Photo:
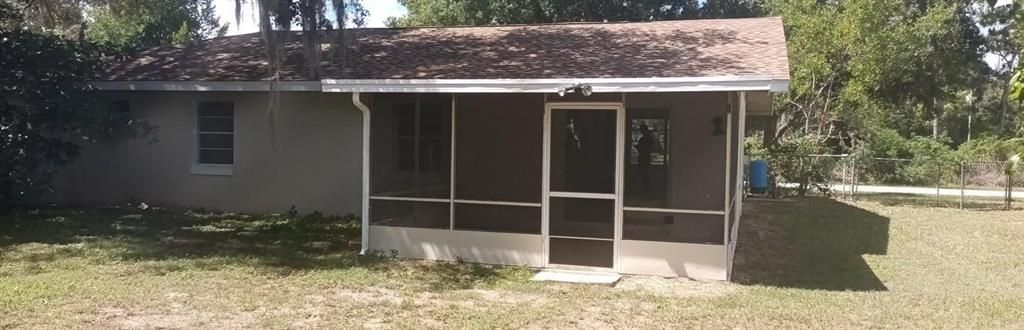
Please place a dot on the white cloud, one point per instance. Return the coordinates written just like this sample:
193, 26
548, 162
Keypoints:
379, 11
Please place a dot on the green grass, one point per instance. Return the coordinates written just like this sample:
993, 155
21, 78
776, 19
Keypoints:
809, 262
969, 202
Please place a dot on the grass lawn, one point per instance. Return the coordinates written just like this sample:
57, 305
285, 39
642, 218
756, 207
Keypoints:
809, 262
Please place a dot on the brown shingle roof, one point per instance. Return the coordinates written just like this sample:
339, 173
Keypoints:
690, 48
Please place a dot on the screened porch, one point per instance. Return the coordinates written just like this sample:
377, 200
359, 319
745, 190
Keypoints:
638, 183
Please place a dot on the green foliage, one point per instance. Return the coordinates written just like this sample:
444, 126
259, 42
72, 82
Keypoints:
47, 111
484, 12
131, 25
1017, 87
860, 64
59, 17
991, 148
788, 162
889, 158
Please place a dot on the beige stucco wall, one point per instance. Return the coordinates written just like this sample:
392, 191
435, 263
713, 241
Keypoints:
310, 159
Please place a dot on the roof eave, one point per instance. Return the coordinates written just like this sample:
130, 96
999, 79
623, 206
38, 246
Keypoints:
209, 86
599, 85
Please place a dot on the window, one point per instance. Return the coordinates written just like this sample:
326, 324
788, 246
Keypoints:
215, 133
649, 141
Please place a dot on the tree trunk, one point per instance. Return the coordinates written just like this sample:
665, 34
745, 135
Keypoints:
1004, 103
933, 109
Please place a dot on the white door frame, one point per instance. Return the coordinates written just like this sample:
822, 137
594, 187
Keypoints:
546, 194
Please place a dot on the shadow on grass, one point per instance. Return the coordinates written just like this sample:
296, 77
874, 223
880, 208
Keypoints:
809, 243
275, 244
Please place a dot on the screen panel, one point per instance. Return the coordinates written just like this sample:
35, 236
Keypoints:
580, 252
583, 150
498, 218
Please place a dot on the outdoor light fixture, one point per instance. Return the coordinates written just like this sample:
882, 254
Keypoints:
582, 88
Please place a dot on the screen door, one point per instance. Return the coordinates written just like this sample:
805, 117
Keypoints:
583, 156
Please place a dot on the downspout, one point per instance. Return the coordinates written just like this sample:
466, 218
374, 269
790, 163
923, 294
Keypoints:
364, 247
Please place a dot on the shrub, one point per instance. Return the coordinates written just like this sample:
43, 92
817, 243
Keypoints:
991, 149
789, 162
915, 161
47, 109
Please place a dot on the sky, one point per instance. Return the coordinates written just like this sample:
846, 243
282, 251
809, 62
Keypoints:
379, 11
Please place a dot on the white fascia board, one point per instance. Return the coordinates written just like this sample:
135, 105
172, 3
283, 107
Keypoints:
599, 85
208, 86
779, 86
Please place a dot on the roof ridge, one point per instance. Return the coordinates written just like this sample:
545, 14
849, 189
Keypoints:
565, 23
442, 27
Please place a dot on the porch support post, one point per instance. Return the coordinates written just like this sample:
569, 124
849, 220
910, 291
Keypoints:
365, 242
731, 233
451, 167
741, 137
728, 174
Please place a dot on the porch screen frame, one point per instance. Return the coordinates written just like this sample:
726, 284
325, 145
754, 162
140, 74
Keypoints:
616, 196
451, 199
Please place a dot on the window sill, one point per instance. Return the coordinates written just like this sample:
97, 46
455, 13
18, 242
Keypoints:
213, 169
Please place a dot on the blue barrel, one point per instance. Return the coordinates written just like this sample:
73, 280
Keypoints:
758, 177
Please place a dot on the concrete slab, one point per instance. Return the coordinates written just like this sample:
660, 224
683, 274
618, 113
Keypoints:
570, 276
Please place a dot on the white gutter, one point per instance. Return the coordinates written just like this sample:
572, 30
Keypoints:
366, 172
599, 85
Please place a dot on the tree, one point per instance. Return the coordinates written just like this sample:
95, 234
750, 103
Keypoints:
1004, 41
64, 18
131, 25
861, 65
123, 25
311, 17
47, 109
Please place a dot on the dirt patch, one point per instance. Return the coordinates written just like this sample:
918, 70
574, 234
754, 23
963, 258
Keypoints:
368, 296
509, 297
675, 287
126, 319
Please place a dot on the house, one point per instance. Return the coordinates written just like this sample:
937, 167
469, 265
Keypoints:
607, 146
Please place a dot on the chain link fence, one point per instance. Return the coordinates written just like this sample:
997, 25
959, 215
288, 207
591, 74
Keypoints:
966, 185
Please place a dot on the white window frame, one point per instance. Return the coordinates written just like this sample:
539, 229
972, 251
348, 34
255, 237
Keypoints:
211, 169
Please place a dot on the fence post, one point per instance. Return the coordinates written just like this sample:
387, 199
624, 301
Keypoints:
846, 167
1010, 191
1009, 188
938, 183
856, 177
963, 184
